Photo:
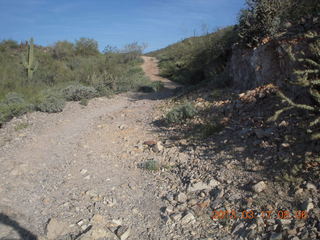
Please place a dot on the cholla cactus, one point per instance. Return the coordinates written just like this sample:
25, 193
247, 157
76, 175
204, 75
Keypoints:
307, 76
29, 62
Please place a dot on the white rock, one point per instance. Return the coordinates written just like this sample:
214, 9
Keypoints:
181, 197
213, 183
311, 186
259, 187
169, 209
307, 205
187, 218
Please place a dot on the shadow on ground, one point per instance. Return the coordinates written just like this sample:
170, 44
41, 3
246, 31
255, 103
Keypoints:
22, 232
246, 143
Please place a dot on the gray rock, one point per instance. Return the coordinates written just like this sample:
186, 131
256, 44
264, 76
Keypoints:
181, 197
259, 187
202, 186
176, 217
187, 218
169, 209
275, 236
158, 147
123, 232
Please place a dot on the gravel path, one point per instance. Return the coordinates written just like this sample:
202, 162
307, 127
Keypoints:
81, 163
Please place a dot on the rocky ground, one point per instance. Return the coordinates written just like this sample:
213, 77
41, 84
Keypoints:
115, 170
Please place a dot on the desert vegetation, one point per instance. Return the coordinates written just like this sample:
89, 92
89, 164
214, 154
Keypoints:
291, 27
34, 77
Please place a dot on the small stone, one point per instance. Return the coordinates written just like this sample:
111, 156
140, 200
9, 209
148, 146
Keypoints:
187, 218
285, 145
150, 143
176, 217
283, 124
259, 187
169, 197
181, 197
83, 171
192, 202
80, 223
307, 205
202, 186
121, 127
285, 222
169, 209
311, 187
275, 236
123, 232
158, 147
299, 191
56, 228
97, 233
116, 222
213, 183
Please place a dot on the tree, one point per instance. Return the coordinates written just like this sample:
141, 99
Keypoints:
63, 50
86, 47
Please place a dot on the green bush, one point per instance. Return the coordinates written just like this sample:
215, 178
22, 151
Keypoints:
152, 87
79, 92
8, 44
267, 18
13, 105
151, 165
51, 102
180, 113
195, 59
86, 47
63, 50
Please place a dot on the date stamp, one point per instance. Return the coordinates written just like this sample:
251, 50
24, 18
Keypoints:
253, 214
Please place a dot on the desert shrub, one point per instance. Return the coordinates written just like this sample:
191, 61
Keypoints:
151, 165
86, 47
103, 90
78, 92
155, 86
307, 76
267, 18
84, 102
13, 105
63, 50
8, 44
194, 59
50, 102
211, 128
180, 113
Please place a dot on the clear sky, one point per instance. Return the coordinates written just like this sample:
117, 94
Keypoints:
114, 22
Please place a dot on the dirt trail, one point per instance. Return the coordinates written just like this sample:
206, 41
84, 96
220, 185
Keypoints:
150, 67
80, 163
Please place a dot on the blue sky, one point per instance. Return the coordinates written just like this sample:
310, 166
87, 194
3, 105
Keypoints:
114, 22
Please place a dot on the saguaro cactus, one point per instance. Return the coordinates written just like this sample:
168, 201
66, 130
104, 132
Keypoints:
29, 62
